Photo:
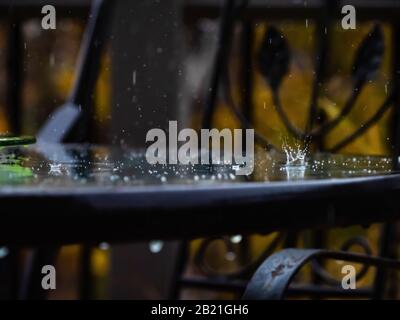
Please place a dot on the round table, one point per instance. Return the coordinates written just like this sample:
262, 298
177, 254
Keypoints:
61, 194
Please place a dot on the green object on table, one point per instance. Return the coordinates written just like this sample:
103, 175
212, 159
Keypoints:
14, 174
12, 170
7, 140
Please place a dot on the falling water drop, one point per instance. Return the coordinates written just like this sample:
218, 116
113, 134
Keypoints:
230, 256
3, 252
104, 246
236, 239
156, 246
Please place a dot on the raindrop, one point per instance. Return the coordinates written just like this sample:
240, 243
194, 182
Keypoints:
52, 60
3, 252
134, 77
156, 246
230, 256
104, 246
114, 178
236, 239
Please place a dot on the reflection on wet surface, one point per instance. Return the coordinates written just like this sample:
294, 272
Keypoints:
76, 166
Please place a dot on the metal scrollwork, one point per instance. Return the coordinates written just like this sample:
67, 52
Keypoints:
273, 61
244, 271
272, 279
326, 278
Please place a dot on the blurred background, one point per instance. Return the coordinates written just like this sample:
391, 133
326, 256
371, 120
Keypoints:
157, 68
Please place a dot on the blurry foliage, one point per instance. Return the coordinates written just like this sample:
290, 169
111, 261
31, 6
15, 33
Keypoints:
102, 116
100, 269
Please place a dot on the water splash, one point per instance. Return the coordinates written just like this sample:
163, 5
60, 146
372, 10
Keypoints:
55, 169
295, 166
296, 154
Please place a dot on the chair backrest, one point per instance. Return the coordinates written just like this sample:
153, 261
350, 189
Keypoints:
273, 61
61, 123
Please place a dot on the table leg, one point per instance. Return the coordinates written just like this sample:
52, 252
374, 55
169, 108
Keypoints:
86, 279
31, 284
9, 272
386, 250
179, 269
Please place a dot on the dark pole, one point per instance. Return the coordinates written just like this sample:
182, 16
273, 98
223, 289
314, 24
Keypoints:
322, 43
62, 122
14, 76
389, 230
247, 68
224, 44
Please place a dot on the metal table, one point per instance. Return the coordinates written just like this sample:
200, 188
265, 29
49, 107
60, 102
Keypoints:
54, 194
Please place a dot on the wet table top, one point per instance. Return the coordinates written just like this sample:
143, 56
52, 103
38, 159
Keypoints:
72, 193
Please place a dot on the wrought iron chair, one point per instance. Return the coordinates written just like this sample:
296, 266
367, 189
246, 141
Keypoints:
273, 61
272, 279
